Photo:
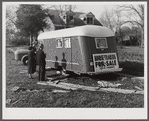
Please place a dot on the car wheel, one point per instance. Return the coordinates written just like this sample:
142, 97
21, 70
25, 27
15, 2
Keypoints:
25, 60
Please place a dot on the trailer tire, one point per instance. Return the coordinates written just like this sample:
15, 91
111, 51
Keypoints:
25, 60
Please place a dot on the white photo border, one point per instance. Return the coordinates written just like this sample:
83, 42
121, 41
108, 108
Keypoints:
72, 113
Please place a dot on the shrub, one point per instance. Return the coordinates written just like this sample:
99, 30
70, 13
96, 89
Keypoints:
18, 40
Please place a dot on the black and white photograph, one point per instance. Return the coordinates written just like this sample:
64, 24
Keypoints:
74, 60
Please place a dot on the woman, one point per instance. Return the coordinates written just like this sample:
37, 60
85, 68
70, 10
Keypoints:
31, 62
34, 57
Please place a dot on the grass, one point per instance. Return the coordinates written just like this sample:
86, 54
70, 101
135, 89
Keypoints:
79, 98
131, 60
133, 54
32, 95
132, 68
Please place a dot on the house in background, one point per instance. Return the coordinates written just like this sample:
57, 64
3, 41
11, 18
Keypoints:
60, 19
131, 40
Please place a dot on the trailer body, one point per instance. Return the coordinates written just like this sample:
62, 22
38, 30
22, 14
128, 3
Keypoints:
85, 49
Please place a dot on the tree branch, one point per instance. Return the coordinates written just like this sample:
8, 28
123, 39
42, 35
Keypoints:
134, 22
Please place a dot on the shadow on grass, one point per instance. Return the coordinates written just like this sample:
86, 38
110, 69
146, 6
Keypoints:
132, 68
106, 76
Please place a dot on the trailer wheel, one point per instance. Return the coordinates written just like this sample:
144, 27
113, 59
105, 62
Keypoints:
25, 60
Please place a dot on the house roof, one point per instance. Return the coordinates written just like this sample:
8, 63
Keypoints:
96, 22
86, 14
54, 16
86, 30
70, 13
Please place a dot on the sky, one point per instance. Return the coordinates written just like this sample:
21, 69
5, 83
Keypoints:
97, 8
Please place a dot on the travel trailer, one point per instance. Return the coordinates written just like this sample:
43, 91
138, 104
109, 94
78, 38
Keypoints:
88, 49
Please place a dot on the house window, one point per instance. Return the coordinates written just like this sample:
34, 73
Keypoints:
101, 43
89, 20
67, 43
71, 17
59, 43
64, 17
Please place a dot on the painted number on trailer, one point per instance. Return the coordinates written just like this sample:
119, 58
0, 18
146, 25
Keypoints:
67, 43
63, 42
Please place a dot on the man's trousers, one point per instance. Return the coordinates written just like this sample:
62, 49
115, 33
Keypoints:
41, 73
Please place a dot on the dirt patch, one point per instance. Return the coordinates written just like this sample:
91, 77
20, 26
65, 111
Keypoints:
69, 86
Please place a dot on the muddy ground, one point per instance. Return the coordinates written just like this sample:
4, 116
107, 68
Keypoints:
30, 94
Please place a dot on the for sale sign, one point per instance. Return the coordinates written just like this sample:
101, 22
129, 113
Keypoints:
105, 61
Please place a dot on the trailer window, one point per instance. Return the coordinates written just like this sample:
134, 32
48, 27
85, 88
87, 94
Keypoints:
67, 43
59, 43
101, 43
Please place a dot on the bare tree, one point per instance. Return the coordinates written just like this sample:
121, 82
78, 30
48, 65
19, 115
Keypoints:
107, 19
135, 16
122, 14
10, 16
10, 22
63, 8
113, 20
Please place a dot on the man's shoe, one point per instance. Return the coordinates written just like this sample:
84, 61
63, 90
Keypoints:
30, 77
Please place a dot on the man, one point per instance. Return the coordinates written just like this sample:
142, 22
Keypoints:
41, 63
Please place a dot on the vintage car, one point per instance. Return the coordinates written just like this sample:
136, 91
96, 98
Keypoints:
21, 54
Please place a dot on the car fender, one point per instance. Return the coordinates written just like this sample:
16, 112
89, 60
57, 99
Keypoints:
23, 57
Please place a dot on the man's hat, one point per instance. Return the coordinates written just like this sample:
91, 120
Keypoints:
30, 47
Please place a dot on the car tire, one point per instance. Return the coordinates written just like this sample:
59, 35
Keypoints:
25, 60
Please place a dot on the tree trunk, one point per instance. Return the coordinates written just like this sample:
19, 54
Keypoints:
31, 38
142, 38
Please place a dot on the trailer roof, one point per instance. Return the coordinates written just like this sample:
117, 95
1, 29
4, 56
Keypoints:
87, 30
